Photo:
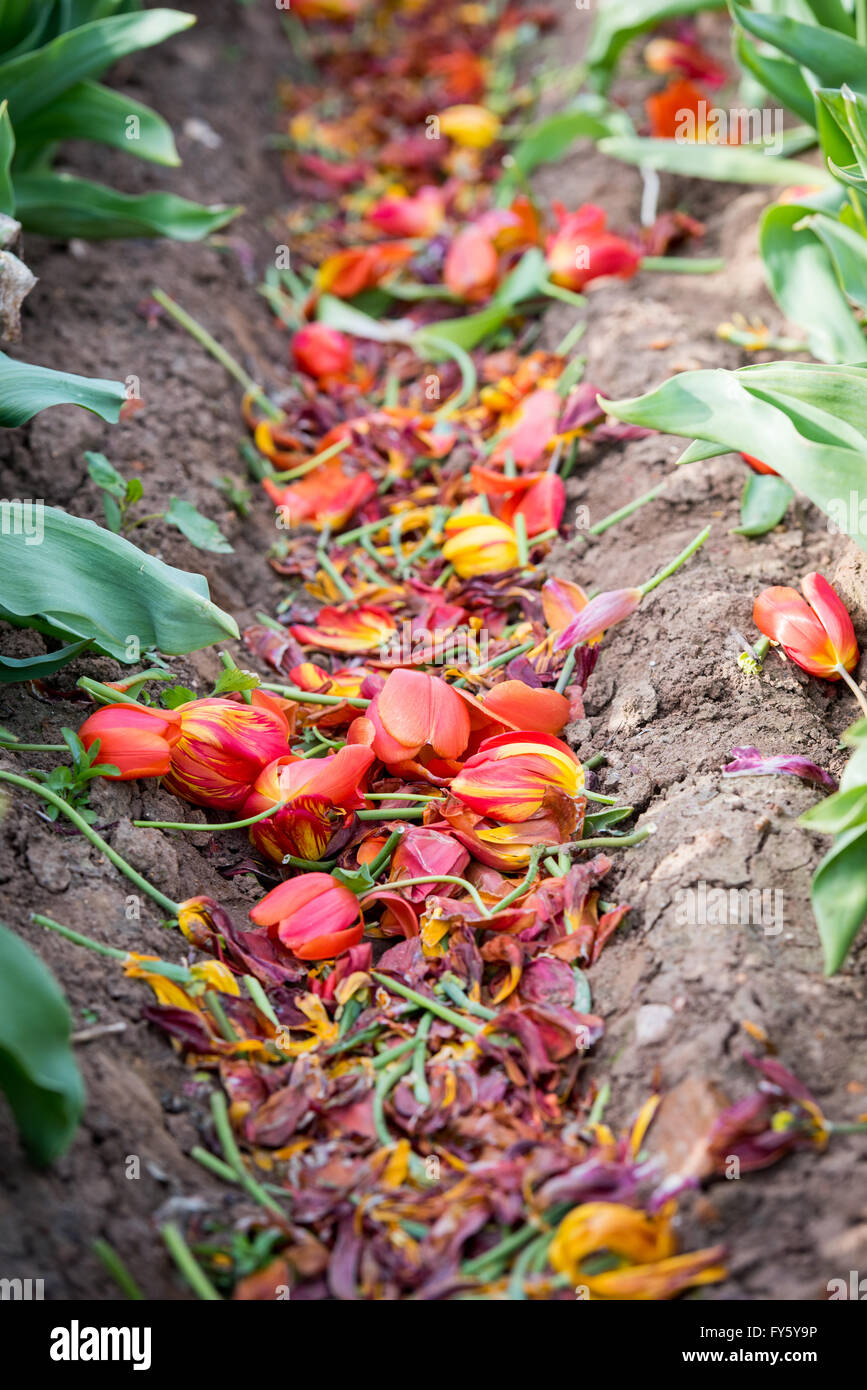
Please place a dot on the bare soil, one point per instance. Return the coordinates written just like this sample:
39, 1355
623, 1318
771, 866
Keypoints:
666, 703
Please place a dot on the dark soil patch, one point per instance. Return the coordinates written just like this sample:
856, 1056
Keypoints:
666, 703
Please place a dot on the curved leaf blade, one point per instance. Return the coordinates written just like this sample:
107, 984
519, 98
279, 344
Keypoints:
32, 668
34, 79
60, 205
724, 163
803, 281
89, 111
25, 389
834, 58
87, 582
839, 895
38, 1071
764, 503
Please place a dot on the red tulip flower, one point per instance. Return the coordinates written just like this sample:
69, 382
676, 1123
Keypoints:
417, 725
222, 748
526, 707
815, 631
582, 249
138, 741
421, 215
313, 916
541, 505
322, 352
509, 777
757, 466
316, 788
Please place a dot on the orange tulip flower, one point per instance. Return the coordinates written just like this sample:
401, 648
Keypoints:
541, 505
223, 746
526, 707
645, 1245
757, 466
347, 273
318, 787
136, 740
419, 725
313, 916
582, 249
509, 777
326, 496
322, 352
816, 632
687, 59
419, 215
362, 630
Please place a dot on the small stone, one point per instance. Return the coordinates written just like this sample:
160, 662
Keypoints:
652, 1023
48, 865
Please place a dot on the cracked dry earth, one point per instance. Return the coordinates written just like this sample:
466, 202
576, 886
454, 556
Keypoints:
666, 703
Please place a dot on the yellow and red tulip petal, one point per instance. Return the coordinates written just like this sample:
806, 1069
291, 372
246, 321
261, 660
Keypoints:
666, 110
562, 601
818, 635
604, 253
674, 55
338, 777
362, 630
474, 126
328, 495
222, 748
424, 851
526, 707
136, 740
509, 777
597, 616
479, 545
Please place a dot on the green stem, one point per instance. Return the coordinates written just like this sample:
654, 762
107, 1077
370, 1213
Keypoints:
289, 474
217, 351
676, 563
310, 697
116, 1268
317, 865
614, 841
81, 824
384, 1084
682, 265
260, 999
399, 813
378, 864
856, 690
334, 575
568, 667
521, 537
231, 665
432, 1006
211, 825
451, 987
216, 1008
77, 937
187, 1263
623, 512
420, 1088
437, 878
33, 747
563, 294
232, 1155
106, 694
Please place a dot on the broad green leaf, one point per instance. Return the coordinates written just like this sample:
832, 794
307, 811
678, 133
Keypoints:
549, 140
855, 771
618, 22
846, 112
804, 283
345, 317
200, 530
837, 813
834, 58
35, 668
22, 26
839, 895
90, 111
7, 150
33, 80
764, 503
773, 412
38, 1070
832, 14
26, 389
848, 251
725, 163
780, 77
86, 582
60, 205
104, 474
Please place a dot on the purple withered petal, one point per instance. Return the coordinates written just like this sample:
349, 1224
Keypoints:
749, 761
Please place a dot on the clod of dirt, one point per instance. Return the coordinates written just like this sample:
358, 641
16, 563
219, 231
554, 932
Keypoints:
652, 1023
